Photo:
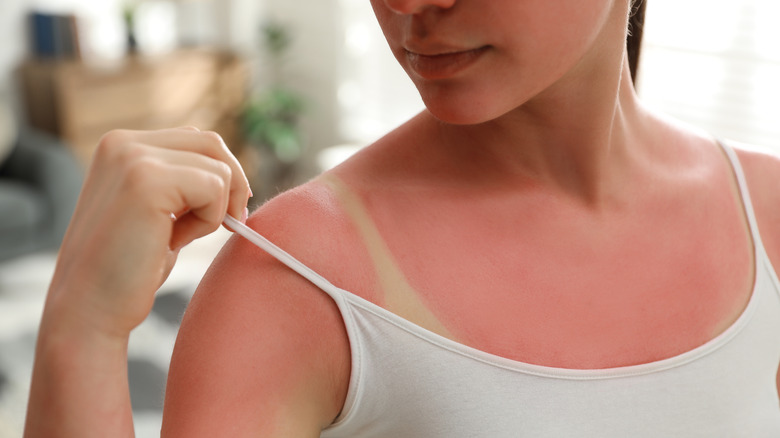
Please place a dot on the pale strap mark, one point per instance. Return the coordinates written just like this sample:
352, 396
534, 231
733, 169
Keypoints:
399, 296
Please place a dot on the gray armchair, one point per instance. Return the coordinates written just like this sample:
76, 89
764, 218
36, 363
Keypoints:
39, 185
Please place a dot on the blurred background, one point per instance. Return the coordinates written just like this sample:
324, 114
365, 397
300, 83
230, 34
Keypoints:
294, 87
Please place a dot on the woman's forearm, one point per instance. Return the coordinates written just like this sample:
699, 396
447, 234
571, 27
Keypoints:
79, 384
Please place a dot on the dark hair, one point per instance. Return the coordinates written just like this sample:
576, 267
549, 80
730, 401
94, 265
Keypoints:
636, 24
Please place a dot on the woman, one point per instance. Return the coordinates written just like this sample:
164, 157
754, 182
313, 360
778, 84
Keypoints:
535, 254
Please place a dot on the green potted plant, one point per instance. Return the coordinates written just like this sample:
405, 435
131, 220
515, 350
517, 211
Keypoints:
271, 116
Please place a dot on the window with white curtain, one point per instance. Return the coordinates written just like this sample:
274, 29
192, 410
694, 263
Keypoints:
716, 65
712, 63
374, 93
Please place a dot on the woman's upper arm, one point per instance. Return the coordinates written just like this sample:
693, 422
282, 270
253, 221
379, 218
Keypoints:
260, 352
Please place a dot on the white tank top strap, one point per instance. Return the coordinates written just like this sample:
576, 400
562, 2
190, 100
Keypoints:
747, 204
283, 257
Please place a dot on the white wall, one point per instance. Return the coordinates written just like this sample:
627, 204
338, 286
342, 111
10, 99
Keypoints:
313, 62
11, 31
375, 94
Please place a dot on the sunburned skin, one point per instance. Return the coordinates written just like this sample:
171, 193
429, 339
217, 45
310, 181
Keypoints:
397, 295
533, 277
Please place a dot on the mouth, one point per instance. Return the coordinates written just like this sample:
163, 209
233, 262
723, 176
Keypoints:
444, 64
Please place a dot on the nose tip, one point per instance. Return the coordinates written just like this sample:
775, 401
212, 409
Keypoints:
409, 7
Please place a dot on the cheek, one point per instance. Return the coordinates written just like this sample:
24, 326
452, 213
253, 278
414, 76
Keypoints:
545, 33
387, 21
536, 46
391, 26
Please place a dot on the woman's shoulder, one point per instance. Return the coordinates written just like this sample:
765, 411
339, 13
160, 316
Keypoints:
312, 224
309, 222
762, 173
257, 328
763, 161
761, 166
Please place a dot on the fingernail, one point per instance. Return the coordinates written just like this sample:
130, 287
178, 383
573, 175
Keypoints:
245, 215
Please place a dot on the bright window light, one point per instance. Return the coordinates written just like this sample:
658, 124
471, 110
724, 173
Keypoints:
716, 65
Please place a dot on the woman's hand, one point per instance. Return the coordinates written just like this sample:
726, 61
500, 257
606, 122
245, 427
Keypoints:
146, 195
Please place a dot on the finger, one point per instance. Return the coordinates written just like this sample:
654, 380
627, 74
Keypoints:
190, 139
202, 195
237, 203
210, 165
208, 143
237, 200
205, 142
174, 157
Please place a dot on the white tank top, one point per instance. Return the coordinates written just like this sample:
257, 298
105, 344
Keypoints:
409, 382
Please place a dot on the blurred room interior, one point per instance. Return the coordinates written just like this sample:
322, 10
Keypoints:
294, 87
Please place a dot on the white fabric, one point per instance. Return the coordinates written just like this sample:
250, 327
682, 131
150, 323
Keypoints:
409, 382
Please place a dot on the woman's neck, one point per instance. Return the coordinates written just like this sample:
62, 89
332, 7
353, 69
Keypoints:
581, 139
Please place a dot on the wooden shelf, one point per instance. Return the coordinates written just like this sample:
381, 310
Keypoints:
79, 102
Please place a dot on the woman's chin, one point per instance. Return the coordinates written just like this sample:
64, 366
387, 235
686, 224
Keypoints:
472, 114
454, 106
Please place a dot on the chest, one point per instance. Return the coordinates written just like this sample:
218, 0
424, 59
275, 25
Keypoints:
545, 284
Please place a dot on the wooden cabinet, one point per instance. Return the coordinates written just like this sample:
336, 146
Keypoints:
80, 102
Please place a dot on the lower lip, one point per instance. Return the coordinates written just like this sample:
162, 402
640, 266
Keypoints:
446, 65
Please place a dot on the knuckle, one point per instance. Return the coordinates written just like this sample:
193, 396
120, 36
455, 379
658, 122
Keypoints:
139, 173
112, 142
215, 182
215, 216
214, 140
223, 169
114, 136
129, 152
211, 222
